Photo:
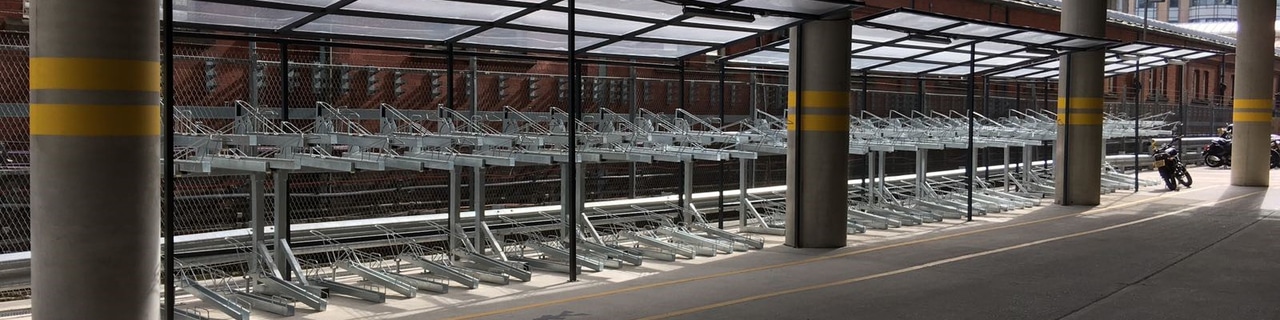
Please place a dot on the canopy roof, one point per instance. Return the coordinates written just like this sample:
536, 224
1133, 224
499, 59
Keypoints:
905, 41
1120, 59
630, 28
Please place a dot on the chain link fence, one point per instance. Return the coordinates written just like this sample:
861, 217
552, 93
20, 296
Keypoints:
213, 74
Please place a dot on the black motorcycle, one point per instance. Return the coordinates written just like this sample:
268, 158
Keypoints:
1217, 153
1168, 162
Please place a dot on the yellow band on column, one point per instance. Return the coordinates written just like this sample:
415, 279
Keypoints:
1252, 110
819, 122
1090, 111
94, 120
94, 74
820, 99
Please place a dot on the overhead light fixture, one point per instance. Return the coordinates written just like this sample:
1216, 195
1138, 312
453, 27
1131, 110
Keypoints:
1048, 52
1128, 57
930, 39
717, 14
1176, 62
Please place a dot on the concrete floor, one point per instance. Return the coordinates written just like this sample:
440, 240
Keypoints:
1207, 252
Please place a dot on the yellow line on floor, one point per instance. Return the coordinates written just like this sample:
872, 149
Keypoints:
806, 261
938, 262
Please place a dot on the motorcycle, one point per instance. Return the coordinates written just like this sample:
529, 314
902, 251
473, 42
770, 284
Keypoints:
1217, 153
1168, 162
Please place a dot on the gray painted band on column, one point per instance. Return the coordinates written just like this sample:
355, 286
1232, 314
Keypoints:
118, 29
817, 210
95, 224
1078, 182
122, 98
1255, 62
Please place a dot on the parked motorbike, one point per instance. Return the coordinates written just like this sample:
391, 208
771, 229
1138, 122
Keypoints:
1168, 162
1217, 153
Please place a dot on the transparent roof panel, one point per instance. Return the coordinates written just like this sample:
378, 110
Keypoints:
588, 23
766, 57
1018, 73
761, 23
860, 63
914, 21
950, 57
875, 35
996, 47
1147, 56
909, 67
961, 70
802, 6
1034, 37
385, 28
1129, 47
891, 52
529, 39
1003, 61
436, 9
312, 3
637, 8
650, 49
978, 30
695, 34
234, 15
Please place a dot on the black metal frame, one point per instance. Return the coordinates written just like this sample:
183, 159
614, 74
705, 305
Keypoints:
339, 8
1026, 47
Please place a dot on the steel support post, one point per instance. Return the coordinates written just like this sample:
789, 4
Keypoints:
632, 109
1254, 95
257, 219
742, 193
448, 77
575, 105
1137, 117
95, 128
473, 87
818, 134
720, 164
971, 167
254, 90
281, 183
455, 207
1080, 110
581, 183
686, 192
478, 204
170, 209
280, 194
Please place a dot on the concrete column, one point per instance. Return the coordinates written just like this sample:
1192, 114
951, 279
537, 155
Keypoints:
1077, 169
1254, 95
818, 135
95, 127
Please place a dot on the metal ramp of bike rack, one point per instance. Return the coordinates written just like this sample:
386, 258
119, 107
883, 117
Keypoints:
266, 290
354, 262
213, 287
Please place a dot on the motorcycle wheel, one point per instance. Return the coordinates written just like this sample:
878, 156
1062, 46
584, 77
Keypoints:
1184, 177
1213, 161
1171, 183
